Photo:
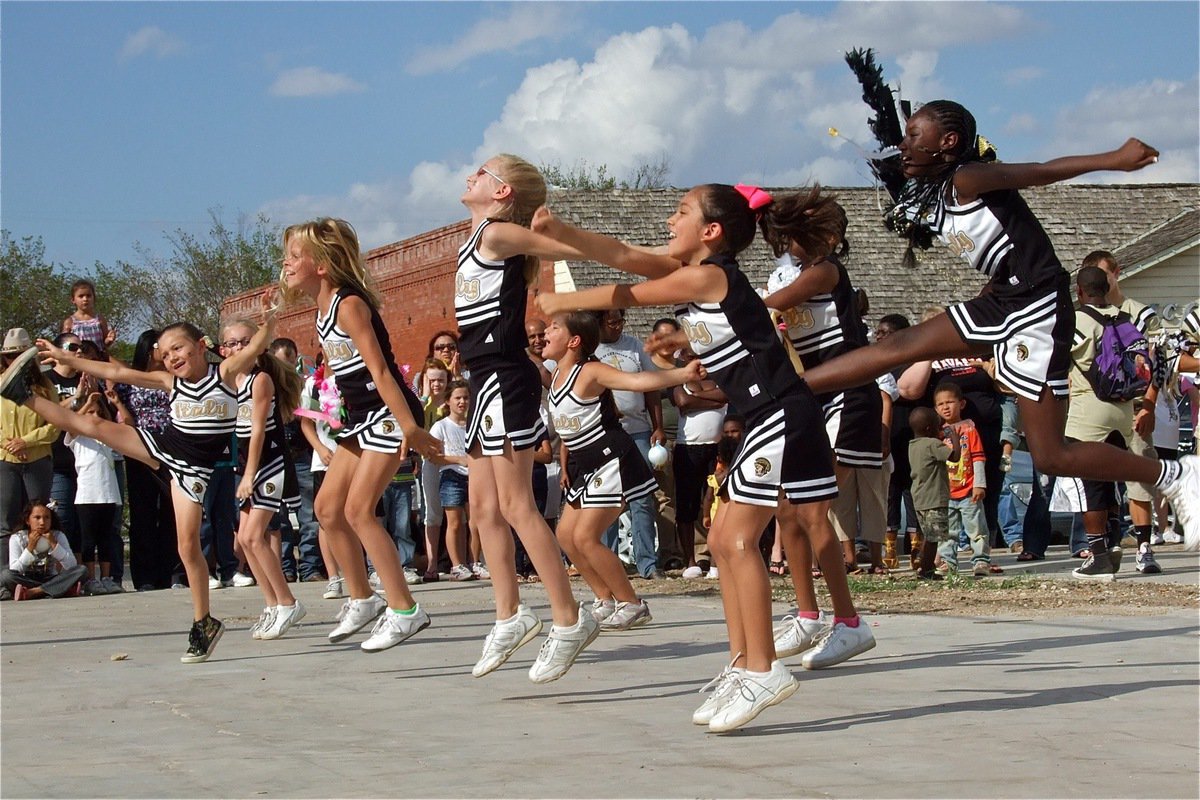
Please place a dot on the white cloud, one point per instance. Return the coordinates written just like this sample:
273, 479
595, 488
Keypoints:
523, 23
1020, 75
1165, 114
151, 40
313, 82
1021, 123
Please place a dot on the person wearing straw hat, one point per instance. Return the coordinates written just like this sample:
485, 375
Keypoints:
26, 469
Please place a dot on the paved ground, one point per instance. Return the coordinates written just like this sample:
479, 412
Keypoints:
943, 707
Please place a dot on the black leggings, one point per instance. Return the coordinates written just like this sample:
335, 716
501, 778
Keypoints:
96, 532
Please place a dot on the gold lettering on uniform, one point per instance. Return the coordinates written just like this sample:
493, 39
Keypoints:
696, 332
338, 351
245, 412
566, 423
960, 243
798, 318
466, 289
184, 409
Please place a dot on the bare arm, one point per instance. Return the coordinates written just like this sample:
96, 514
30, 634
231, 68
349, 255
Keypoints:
704, 283
820, 278
596, 377
915, 380
262, 392
975, 179
243, 360
108, 370
651, 262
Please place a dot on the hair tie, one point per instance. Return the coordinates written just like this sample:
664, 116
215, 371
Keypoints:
984, 150
756, 197
207, 342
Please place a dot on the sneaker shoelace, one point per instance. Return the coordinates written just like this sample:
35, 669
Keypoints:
341, 615
501, 637
197, 641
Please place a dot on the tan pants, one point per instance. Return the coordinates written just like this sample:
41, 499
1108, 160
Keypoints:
861, 504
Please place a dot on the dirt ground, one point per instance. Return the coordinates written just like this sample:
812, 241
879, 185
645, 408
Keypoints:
1014, 596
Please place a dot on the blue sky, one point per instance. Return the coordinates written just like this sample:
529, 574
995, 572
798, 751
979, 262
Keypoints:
123, 121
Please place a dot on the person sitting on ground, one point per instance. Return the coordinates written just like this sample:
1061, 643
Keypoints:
40, 561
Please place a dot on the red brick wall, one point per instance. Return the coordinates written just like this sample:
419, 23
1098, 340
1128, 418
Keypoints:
416, 279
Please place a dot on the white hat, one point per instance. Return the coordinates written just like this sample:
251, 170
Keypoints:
17, 340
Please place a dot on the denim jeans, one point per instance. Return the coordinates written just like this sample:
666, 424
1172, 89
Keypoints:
220, 522
1009, 512
966, 516
397, 518
641, 513
306, 543
62, 492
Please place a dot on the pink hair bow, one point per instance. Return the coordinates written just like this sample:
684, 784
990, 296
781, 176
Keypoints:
756, 197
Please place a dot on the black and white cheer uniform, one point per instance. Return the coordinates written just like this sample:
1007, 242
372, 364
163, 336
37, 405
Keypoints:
369, 422
275, 484
785, 445
599, 471
506, 390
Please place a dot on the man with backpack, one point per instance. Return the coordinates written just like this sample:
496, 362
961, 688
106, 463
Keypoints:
1110, 358
1140, 495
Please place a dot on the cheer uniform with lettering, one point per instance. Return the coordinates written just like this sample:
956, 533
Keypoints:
599, 472
369, 422
823, 327
506, 390
276, 487
1025, 310
785, 445
199, 433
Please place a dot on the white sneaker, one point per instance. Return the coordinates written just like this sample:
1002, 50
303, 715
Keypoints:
504, 639
480, 571
692, 573
720, 688
795, 634
602, 609
1145, 562
412, 577
92, 586
393, 628
839, 643
562, 647
1184, 495
241, 580
285, 617
1156, 539
335, 589
461, 572
110, 586
355, 615
1171, 537
264, 621
626, 616
713, 575
214, 582
753, 692
375, 581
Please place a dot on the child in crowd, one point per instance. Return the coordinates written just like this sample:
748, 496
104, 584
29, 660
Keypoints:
785, 452
85, 322
203, 416
957, 191
267, 488
451, 431
97, 499
702, 408
322, 261
603, 469
932, 446
40, 561
322, 437
435, 377
967, 484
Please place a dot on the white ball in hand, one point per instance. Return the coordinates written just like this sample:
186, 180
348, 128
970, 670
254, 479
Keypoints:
658, 455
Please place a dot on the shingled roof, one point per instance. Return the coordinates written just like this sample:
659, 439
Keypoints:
1078, 217
1159, 243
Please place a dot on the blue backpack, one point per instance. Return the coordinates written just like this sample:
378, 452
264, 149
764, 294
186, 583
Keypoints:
1123, 367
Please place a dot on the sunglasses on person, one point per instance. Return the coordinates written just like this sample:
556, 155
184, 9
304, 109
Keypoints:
72, 347
445, 346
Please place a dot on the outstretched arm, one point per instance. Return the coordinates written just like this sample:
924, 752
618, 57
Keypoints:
652, 262
597, 376
701, 283
974, 179
243, 360
109, 371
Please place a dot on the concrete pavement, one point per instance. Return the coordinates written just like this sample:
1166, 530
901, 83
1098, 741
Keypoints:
943, 707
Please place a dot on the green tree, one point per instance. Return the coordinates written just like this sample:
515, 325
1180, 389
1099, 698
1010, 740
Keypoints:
34, 293
595, 178
200, 272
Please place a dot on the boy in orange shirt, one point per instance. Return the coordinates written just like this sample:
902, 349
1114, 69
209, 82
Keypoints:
967, 484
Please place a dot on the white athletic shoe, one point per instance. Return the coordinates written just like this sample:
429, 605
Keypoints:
393, 628
241, 580
626, 616
720, 689
839, 643
412, 577
285, 617
602, 609
1184, 495
1171, 537
356, 615
335, 589
214, 582
1156, 539
264, 621
504, 639
692, 573
752, 693
795, 634
562, 647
